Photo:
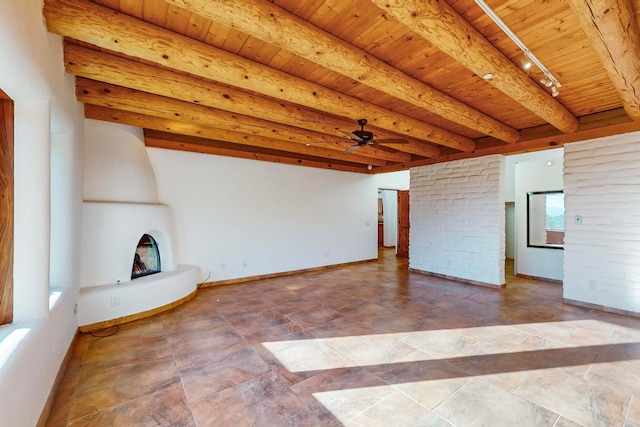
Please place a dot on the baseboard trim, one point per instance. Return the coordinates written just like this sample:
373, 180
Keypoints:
540, 279
46, 411
137, 316
281, 274
458, 279
603, 308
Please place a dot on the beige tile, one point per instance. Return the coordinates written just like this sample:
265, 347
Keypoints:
576, 399
309, 355
556, 331
397, 410
564, 422
479, 403
626, 334
440, 343
431, 393
621, 376
504, 337
586, 337
633, 415
376, 349
347, 404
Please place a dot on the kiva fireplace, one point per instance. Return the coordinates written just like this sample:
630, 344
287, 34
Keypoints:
127, 267
130, 268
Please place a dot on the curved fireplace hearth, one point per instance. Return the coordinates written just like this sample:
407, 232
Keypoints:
113, 286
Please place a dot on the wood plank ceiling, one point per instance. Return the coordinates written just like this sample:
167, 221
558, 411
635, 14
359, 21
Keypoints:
283, 80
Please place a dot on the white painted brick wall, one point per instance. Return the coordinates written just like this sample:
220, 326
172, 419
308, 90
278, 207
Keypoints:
602, 254
457, 219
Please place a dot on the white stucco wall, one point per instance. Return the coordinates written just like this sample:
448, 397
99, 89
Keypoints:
602, 189
457, 219
240, 218
47, 120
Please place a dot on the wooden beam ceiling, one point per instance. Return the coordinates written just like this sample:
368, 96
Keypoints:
287, 31
102, 27
111, 96
283, 81
196, 130
613, 30
115, 70
442, 26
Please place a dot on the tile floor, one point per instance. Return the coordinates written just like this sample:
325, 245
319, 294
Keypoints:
366, 345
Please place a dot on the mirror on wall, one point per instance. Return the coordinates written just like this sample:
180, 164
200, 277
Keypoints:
545, 219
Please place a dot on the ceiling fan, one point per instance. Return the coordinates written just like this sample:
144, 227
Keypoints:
363, 137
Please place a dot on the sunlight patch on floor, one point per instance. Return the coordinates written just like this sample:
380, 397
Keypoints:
380, 349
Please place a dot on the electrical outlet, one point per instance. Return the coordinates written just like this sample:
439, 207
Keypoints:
115, 301
592, 284
75, 309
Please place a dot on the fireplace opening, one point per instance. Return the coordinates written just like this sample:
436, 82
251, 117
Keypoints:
146, 261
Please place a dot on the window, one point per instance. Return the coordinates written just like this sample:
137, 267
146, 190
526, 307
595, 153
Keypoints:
545, 219
6, 209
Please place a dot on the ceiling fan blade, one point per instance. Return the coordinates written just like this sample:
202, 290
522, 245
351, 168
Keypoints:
391, 141
352, 149
353, 136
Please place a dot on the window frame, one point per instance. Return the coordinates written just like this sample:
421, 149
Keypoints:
529, 244
6, 207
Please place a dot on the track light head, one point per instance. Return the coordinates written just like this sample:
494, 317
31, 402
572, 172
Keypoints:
546, 82
526, 63
554, 91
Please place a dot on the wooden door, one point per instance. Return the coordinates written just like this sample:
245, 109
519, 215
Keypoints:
402, 250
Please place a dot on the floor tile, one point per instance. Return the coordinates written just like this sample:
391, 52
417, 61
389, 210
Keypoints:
479, 403
366, 344
575, 399
396, 410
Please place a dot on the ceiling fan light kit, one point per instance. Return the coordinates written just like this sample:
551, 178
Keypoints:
529, 58
362, 137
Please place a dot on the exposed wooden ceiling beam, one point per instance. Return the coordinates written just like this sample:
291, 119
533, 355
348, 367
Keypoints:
267, 22
441, 25
535, 144
105, 28
191, 129
614, 33
185, 143
107, 95
108, 68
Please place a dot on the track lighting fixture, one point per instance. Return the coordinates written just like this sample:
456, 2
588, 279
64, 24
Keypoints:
529, 58
546, 82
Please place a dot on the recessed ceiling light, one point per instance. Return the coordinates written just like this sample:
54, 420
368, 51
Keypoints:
488, 76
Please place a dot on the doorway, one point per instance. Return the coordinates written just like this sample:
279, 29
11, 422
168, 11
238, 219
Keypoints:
402, 247
387, 218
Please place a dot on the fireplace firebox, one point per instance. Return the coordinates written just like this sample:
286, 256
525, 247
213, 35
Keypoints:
146, 260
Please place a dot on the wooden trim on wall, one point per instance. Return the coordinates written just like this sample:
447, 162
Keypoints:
6, 209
